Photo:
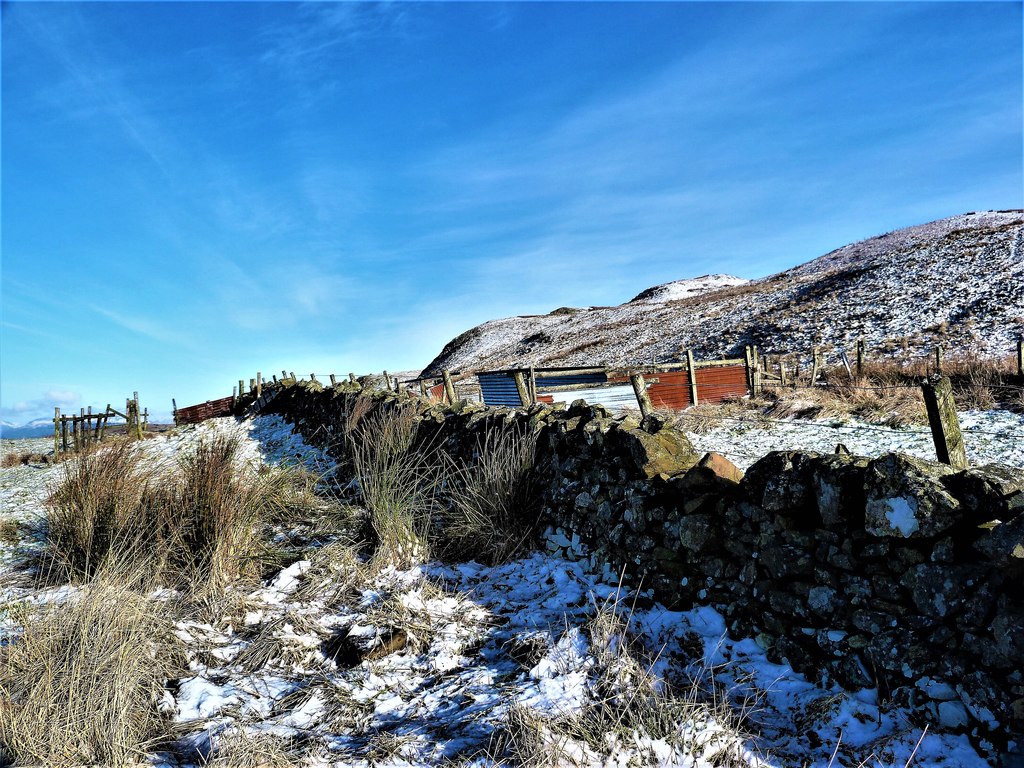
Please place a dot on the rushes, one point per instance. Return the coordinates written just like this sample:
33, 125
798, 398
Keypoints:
493, 501
398, 481
98, 507
80, 685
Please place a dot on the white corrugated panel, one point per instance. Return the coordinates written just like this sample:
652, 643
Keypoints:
616, 398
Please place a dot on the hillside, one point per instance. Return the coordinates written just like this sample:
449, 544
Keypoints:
957, 281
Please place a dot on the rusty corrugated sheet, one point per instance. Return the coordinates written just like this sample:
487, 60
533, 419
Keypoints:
211, 409
721, 383
670, 389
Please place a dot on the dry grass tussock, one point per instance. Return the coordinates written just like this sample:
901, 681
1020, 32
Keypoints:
24, 458
197, 523
632, 714
240, 749
80, 685
493, 502
398, 481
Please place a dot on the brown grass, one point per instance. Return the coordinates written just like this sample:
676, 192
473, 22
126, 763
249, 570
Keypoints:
80, 685
494, 500
398, 481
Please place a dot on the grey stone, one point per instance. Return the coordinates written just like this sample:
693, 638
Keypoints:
905, 498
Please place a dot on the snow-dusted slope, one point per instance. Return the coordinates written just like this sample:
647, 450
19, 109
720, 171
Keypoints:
958, 281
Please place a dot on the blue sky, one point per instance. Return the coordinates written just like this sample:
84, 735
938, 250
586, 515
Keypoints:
196, 191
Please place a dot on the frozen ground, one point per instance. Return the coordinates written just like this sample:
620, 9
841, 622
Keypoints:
477, 642
990, 436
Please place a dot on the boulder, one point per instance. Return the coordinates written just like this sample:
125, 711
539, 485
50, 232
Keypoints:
665, 452
906, 498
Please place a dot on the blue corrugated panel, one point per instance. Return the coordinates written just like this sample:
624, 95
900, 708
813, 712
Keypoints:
569, 379
499, 389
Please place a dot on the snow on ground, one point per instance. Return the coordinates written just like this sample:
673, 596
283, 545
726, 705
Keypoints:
477, 641
990, 436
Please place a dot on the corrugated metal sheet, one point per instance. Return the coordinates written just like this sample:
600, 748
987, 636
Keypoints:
615, 398
721, 383
499, 389
193, 414
566, 379
670, 389
714, 384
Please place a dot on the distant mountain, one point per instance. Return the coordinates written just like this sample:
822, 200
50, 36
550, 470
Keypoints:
958, 282
34, 428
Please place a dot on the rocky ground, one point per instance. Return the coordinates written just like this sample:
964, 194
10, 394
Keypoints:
451, 662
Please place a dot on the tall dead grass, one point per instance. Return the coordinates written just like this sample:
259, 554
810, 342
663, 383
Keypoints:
98, 507
493, 502
398, 481
80, 685
198, 523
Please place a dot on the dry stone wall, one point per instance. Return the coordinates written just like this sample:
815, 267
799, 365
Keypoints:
893, 573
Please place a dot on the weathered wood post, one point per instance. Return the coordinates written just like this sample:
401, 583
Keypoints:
691, 367
755, 374
938, 360
138, 417
640, 390
449, 386
533, 384
103, 429
1020, 357
782, 373
520, 382
860, 357
949, 440
56, 431
174, 406
814, 365
750, 366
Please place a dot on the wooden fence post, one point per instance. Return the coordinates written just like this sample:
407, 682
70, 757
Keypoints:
691, 367
782, 373
138, 417
520, 381
755, 374
814, 365
1020, 357
949, 440
56, 431
533, 384
860, 357
449, 386
750, 366
938, 360
640, 390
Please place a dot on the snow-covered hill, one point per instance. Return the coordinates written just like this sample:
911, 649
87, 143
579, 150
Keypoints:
957, 281
34, 428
